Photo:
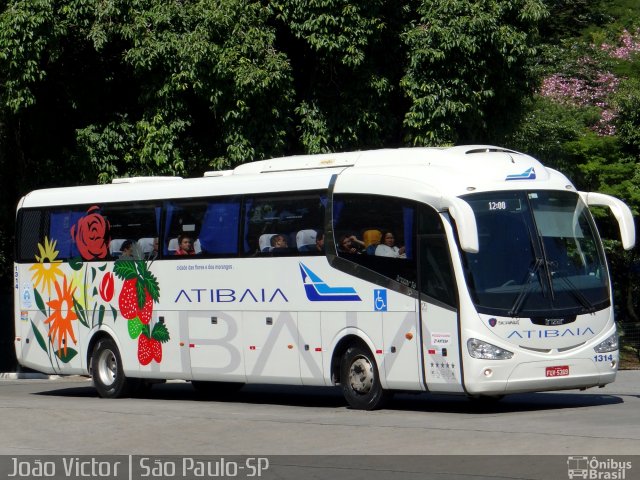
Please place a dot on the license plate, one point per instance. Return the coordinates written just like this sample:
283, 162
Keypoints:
561, 371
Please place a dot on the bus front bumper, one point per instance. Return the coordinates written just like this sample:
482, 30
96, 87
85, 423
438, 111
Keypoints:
561, 374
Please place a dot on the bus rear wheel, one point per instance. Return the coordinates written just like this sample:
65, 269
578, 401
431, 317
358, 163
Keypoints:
360, 380
107, 373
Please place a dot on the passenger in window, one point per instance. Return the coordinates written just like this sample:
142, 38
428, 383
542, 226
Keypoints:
154, 252
149, 248
126, 250
388, 247
279, 244
349, 243
320, 241
185, 245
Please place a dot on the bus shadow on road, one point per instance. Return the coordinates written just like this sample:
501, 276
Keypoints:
525, 402
322, 397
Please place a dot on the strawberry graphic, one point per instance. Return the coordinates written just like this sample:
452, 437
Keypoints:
145, 355
139, 290
156, 349
128, 299
147, 309
151, 348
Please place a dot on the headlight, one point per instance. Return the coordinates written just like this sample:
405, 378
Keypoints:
609, 345
479, 349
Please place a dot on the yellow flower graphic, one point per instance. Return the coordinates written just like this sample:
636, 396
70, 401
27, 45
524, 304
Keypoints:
63, 314
47, 267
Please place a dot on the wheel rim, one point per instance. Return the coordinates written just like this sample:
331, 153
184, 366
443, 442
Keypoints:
361, 376
107, 368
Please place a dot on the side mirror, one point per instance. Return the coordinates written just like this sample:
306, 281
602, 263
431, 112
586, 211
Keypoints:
465, 219
620, 211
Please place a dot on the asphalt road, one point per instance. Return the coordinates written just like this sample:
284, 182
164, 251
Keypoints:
66, 417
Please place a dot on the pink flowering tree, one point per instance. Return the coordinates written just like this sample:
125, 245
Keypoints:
589, 80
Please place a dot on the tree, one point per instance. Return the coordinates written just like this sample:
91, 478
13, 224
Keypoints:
466, 73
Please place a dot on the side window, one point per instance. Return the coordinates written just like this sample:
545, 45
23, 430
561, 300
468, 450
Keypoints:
134, 230
90, 232
29, 234
206, 227
436, 274
51, 233
377, 232
284, 224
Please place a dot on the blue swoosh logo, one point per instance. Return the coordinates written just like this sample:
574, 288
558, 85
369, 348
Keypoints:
317, 289
529, 174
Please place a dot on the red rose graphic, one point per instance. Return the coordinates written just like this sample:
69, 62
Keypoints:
106, 287
91, 235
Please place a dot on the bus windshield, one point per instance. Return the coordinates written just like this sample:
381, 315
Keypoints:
539, 255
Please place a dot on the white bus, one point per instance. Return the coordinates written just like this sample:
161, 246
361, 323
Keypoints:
471, 270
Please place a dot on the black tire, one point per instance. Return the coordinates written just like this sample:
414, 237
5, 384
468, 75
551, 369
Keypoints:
215, 389
107, 373
360, 380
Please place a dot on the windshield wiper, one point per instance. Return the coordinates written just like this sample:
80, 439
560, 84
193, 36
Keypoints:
575, 291
524, 291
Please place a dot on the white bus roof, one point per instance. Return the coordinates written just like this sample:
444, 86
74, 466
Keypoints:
403, 172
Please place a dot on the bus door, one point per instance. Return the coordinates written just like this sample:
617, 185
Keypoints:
440, 348
438, 307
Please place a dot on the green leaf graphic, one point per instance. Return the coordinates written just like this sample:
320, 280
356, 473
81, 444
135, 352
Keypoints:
125, 269
135, 327
39, 302
160, 333
115, 313
101, 315
93, 274
76, 263
39, 338
82, 316
66, 358
153, 287
149, 281
103, 267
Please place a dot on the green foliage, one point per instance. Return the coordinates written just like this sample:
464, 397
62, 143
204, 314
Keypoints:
346, 87
628, 105
26, 33
338, 30
466, 62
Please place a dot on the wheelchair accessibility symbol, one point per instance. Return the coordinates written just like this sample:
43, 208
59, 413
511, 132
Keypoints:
380, 300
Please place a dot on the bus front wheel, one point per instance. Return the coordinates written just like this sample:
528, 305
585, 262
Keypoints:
360, 380
107, 373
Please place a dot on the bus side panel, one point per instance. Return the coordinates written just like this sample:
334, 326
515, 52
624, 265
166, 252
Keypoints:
271, 347
215, 346
20, 317
37, 315
402, 353
311, 348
